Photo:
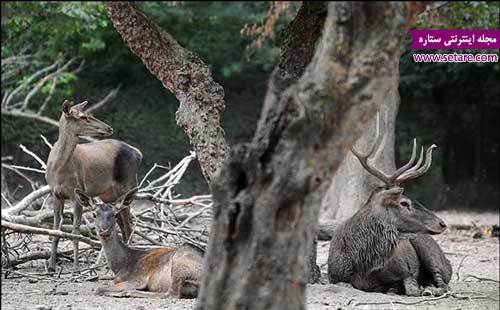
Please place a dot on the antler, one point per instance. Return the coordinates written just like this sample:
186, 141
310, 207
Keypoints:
403, 174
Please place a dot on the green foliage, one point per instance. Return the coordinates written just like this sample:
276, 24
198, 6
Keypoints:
461, 15
49, 27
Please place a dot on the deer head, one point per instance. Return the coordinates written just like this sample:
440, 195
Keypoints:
76, 122
105, 213
407, 214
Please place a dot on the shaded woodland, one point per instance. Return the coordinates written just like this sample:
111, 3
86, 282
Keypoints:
243, 118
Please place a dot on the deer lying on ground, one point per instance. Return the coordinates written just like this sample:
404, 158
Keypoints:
386, 246
105, 168
156, 272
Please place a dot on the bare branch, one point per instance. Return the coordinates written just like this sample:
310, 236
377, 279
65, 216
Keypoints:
111, 95
9, 167
48, 232
31, 115
25, 202
34, 256
49, 97
35, 75
46, 141
41, 162
42, 81
23, 168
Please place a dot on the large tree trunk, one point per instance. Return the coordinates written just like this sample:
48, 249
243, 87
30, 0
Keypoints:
267, 195
352, 184
297, 49
185, 75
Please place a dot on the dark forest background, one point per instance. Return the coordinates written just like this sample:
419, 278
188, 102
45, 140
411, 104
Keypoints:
455, 106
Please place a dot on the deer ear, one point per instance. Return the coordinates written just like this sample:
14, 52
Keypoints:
82, 198
395, 190
80, 106
129, 196
66, 106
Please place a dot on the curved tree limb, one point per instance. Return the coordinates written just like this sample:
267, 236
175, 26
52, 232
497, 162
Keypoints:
185, 75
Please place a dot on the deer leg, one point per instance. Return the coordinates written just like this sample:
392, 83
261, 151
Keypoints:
411, 287
58, 209
136, 294
115, 289
175, 289
77, 221
124, 223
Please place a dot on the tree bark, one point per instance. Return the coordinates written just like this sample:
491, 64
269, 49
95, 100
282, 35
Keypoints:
299, 40
352, 184
267, 194
185, 75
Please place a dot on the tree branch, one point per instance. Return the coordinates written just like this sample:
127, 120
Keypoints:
185, 75
49, 232
25, 202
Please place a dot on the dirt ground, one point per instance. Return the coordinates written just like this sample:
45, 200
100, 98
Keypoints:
472, 258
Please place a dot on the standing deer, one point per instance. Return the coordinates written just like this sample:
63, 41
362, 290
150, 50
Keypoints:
105, 168
386, 246
156, 272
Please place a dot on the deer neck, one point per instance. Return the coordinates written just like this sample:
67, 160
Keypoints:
62, 150
117, 252
372, 237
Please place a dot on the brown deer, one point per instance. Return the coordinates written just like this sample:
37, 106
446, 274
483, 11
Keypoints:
155, 272
386, 246
105, 168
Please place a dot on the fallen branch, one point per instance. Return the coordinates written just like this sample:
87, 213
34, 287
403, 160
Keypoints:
447, 294
481, 278
196, 200
49, 232
34, 256
25, 202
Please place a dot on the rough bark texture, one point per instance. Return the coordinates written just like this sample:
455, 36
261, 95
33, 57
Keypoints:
185, 75
267, 195
352, 184
299, 40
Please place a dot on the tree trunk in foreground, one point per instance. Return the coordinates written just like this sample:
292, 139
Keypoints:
185, 75
297, 50
267, 194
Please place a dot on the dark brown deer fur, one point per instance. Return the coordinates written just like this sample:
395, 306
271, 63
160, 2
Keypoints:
386, 246
371, 252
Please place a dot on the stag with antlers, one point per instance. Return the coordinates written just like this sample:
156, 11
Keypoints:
386, 246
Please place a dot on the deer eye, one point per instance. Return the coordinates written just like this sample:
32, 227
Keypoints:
405, 204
